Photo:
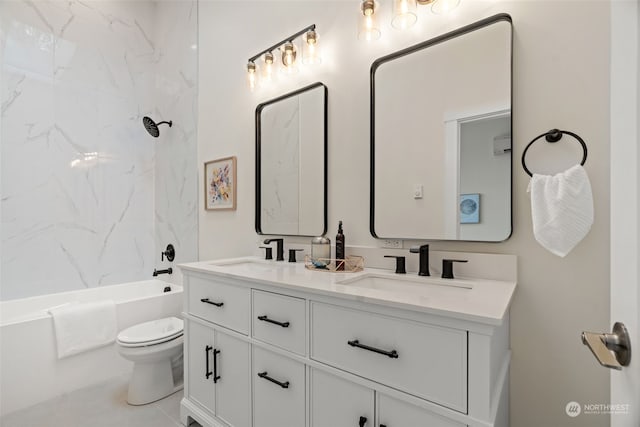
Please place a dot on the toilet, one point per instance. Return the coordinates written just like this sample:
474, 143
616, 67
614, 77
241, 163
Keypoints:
155, 348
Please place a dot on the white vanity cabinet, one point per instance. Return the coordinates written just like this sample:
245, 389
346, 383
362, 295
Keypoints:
295, 349
337, 402
279, 390
424, 360
397, 413
216, 371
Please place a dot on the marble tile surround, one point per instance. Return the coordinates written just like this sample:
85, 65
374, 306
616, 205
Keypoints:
87, 197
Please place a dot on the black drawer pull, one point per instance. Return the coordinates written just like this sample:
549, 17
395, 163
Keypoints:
268, 378
392, 354
382, 425
217, 304
275, 322
207, 372
216, 377
362, 421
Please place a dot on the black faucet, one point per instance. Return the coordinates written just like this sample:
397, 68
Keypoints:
292, 254
279, 248
400, 263
424, 259
447, 267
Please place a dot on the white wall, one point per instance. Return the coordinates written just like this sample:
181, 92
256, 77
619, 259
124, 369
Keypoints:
561, 52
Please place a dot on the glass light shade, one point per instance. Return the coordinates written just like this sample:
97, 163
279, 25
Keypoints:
251, 75
267, 68
404, 14
442, 7
368, 28
289, 58
310, 52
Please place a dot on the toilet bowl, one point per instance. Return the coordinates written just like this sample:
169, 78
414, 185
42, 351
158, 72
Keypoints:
155, 348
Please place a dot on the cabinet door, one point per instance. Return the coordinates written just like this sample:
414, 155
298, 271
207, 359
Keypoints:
336, 402
233, 398
200, 376
396, 413
279, 390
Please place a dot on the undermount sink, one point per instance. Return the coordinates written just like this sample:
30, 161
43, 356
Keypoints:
417, 285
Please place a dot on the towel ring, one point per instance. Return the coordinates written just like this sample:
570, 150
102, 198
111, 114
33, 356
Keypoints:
554, 135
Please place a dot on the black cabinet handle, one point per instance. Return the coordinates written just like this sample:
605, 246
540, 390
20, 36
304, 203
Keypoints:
216, 377
392, 354
207, 372
268, 378
217, 304
383, 425
275, 322
362, 421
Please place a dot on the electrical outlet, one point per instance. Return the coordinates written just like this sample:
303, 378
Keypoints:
392, 244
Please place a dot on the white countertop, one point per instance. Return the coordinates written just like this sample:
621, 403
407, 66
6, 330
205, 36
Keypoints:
487, 301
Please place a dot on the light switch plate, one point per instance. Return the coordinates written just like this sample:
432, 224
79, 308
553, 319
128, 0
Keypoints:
417, 191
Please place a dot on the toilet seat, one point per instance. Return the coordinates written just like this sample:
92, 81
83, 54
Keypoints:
151, 333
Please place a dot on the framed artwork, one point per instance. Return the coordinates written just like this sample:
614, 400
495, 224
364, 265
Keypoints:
220, 184
469, 208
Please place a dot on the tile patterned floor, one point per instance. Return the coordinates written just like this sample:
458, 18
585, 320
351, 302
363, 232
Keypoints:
102, 405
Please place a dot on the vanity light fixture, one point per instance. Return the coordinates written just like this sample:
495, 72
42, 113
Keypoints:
251, 74
288, 56
404, 14
310, 54
267, 67
368, 28
442, 7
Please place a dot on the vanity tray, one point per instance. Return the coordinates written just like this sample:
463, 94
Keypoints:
350, 264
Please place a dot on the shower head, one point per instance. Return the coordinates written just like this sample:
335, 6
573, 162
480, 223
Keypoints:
152, 127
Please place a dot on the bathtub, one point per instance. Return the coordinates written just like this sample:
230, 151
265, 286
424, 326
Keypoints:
30, 371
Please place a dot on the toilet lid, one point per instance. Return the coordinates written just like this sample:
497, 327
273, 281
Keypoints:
154, 331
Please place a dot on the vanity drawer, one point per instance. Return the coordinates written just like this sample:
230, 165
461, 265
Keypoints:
279, 390
280, 320
424, 360
220, 303
396, 413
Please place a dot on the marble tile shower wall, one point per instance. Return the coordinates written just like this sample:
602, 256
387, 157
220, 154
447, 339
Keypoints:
88, 198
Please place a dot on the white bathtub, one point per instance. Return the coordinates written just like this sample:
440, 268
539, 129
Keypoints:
30, 371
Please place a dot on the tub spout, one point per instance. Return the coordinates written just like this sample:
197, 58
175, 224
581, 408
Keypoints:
167, 271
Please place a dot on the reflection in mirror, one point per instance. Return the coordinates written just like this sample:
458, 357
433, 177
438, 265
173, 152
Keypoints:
441, 137
291, 163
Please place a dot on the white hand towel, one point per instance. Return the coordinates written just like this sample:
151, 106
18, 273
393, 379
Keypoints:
561, 209
84, 326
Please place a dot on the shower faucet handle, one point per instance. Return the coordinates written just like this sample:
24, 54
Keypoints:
170, 253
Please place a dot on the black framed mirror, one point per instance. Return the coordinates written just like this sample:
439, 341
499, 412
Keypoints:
441, 163
291, 163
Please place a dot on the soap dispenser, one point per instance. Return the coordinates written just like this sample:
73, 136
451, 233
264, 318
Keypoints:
340, 255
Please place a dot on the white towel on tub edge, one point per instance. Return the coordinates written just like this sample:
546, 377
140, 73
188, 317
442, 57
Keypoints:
81, 327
